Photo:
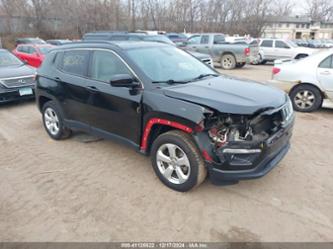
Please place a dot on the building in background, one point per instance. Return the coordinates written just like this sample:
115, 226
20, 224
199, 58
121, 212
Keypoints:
298, 27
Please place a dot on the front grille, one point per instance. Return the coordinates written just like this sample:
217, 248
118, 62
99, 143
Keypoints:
18, 82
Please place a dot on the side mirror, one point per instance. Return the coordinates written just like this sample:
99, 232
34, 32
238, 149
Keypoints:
124, 80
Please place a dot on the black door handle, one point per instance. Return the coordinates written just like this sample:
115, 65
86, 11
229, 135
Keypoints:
92, 89
57, 79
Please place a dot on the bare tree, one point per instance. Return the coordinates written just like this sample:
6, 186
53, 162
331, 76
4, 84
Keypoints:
320, 10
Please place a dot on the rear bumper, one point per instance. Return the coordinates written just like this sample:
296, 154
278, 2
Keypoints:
13, 94
273, 150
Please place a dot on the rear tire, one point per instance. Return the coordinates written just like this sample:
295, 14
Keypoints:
306, 98
53, 121
177, 161
228, 62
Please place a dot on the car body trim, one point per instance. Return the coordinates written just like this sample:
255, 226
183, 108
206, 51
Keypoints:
154, 121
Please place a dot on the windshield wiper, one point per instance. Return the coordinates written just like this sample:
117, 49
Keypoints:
201, 76
171, 82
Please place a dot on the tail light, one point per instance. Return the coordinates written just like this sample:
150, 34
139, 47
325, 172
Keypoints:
247, 52
276, 70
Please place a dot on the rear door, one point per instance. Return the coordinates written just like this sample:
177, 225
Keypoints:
267, 47
33, 57
113, 110
73, 72
203, 47
325, 75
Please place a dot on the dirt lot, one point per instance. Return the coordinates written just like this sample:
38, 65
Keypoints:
85, 189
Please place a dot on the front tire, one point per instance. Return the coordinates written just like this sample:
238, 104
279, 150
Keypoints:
228, 62
53, 121
240, 65
306, 98
177, 161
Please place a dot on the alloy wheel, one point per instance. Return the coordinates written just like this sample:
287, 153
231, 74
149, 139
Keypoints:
51, 121
227, 62
173, 164
304, 99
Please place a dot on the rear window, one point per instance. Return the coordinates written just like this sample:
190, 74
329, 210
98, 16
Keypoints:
75, 62
219, 39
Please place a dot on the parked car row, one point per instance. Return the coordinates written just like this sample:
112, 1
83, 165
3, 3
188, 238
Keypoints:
323, 43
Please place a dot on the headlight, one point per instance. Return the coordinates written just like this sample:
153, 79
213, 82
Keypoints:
287, 111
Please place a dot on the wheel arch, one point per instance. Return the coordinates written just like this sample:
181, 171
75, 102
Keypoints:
301, 55
228, 53
156, 125
308, 84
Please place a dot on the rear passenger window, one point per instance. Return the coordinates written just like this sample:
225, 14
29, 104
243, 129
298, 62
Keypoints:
105, 65
204, 39
75, 62
267, 44
327, 63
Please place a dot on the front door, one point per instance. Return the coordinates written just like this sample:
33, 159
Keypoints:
193, 43
113, 110
325, 75
282, 50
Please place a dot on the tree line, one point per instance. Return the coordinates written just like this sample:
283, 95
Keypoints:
75, 17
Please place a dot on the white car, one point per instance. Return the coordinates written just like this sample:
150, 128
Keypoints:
274, 49
309, 81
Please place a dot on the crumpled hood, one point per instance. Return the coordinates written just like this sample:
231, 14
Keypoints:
16, 71
229, 95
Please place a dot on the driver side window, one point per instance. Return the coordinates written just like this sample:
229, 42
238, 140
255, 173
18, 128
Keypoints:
105, 65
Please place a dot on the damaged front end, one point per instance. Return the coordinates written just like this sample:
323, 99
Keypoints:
238, 147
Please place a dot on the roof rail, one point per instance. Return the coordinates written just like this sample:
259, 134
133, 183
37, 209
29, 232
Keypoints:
93, 42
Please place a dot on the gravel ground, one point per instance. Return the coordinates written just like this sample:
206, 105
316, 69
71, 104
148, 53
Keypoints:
86, 189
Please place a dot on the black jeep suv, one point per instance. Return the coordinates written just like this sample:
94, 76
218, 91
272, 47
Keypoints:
167, 104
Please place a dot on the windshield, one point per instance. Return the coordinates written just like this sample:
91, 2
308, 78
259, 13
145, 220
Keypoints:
8, 59
167, 63
44, 50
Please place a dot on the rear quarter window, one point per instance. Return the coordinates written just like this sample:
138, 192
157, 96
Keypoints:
75, 62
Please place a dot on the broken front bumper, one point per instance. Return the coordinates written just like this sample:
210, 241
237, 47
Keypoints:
252, 160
